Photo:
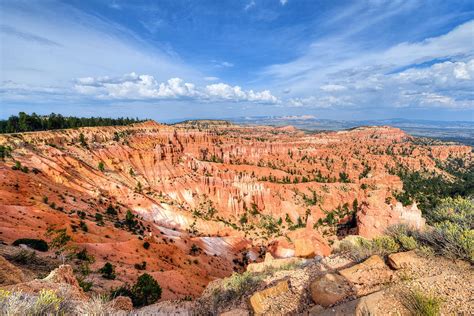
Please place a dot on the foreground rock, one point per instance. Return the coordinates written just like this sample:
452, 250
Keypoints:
329, 289
364, 276
366, 305
260, 300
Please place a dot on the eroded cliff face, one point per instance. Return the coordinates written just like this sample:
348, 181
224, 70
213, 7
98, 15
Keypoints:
207, 197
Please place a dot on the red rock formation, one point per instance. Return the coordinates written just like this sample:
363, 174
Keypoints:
228, 190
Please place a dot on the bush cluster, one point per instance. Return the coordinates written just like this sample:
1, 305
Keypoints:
144, 292
37, 244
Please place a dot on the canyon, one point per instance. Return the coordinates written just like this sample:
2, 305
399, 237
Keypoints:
199, 200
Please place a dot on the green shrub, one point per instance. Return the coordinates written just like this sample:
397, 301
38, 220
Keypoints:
146, 245
421, 304
449, 240
85, 285
407, 242
47, 303
101, 166
108, 271
234, 287
37, 244
457, 210
359, 249
384, 245
146, 291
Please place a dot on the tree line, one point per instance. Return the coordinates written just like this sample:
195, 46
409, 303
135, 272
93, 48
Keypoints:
24, 122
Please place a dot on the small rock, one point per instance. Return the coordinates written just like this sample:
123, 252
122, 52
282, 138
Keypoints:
259, 299
329, 289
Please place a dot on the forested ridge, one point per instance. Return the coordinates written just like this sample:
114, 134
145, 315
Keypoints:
24, 122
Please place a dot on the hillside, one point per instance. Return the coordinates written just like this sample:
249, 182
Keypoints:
197, 201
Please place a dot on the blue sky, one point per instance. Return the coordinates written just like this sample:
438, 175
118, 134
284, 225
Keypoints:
211, 59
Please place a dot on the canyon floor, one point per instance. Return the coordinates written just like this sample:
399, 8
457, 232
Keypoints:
193, 202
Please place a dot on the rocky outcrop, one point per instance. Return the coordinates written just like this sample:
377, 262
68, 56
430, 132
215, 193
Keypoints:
225, 188
10, 274
60, 280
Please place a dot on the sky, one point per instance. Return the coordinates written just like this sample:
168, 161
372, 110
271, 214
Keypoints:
180, 59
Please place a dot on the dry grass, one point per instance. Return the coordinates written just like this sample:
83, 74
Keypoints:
422, 304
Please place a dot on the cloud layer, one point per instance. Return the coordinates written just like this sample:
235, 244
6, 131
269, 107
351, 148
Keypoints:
144, 87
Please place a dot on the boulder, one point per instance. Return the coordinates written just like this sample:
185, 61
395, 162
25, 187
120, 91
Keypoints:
329, 289
304, 248
259, 300
369, 273
10, 274
403, 259
121, 303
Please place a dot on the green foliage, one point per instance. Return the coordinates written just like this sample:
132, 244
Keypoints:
60, 238
407, 242
82, 140
359, 248
37, 244
83, 226
26, 123
85, 256
101, 166
140, 266
108, 271
111, 210
234, 287
5, 152
344, 177
429, 189
451, 234
146, 291
457, 210
420, 303
85, 285
47, 302
146, 245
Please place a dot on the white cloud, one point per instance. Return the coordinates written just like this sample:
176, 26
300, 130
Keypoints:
145, 87
409, 74
283, 2
332, 87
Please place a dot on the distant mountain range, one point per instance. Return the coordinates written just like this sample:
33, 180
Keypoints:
458, 131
